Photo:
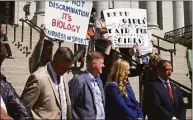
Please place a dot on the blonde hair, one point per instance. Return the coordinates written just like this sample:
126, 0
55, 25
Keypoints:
155, 57
94, 55
118, 75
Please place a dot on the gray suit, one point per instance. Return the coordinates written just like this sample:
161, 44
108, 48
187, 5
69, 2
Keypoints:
82, 97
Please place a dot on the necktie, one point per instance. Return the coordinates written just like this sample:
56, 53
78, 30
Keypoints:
62, 99
169, 90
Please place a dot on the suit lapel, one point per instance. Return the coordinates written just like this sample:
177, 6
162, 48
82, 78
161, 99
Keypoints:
50, 77
131, 93
89, 86
165, 91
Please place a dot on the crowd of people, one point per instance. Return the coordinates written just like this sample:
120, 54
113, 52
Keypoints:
102, 91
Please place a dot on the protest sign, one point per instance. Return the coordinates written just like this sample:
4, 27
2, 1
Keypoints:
127, 27
68, 20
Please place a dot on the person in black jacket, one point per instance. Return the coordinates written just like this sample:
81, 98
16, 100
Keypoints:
15, 108
149, 74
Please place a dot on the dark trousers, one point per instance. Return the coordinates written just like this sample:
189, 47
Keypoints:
7, 47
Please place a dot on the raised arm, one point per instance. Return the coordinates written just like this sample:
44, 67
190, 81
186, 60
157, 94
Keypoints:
37, 52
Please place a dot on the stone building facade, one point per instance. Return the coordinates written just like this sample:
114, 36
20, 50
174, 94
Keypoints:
162, 15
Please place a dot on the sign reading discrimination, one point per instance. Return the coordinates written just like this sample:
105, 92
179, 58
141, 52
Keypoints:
68, 21
127, 27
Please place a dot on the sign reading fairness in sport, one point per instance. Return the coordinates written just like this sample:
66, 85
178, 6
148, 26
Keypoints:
127, 27
67, 21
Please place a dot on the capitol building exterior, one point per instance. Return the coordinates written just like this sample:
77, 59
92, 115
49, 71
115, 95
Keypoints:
161, 15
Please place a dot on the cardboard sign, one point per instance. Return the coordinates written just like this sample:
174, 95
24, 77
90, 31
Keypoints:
127, 27
68, 21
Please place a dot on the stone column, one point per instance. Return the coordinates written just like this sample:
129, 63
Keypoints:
167, 11
122, 4
40, 13
178, 14
100, 6
188, 12
134, 4
152, 14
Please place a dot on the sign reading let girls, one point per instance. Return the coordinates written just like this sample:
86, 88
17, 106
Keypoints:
68, 20
127, 27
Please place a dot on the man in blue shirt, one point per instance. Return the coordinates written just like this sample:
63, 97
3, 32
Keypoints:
86, 90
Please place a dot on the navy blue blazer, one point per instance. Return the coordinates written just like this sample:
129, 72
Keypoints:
119, 107
82, 97
162, 106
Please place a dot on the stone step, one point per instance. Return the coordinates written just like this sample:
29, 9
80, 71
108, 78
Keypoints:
9, 68
21, 79
16, 73
16, 62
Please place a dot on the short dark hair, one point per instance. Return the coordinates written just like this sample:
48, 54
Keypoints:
161, 63
63, 54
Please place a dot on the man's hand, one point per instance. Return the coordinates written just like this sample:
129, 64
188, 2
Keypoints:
87, 37
138, 49
109, 41
174, 118
42, 33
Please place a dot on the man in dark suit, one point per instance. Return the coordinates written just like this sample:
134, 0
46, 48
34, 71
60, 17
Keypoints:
165, 97
86, 90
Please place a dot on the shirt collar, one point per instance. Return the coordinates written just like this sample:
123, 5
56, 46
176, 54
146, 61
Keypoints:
91, 76
163, 81
51, 69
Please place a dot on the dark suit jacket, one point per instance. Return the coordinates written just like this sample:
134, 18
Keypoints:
162, 106
82, 97
119, 107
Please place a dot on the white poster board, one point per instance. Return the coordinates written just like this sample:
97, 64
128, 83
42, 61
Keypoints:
127, 27
67, 21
